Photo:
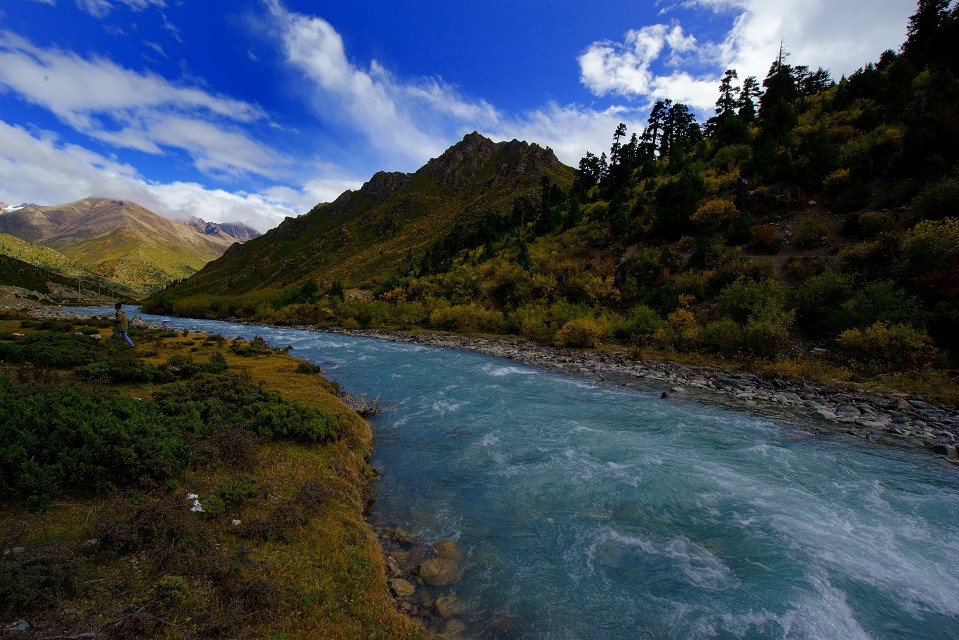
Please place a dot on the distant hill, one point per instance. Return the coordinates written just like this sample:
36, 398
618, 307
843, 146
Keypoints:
390, 223
39, 256
122, 240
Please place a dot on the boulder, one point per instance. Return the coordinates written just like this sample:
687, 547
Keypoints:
437, 571
447, 549
453, 628
401, 588
448, 606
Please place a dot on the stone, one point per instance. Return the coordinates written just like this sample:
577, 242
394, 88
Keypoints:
448, 606
393, 567
453, 628
437, 571
447, 549
401, 588
847, 411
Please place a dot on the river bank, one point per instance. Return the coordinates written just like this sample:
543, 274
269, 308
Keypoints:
896, 419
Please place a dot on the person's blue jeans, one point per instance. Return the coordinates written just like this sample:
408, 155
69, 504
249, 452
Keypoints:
123, 334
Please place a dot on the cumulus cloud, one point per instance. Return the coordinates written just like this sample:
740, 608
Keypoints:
38, 167
624, 68
816, 33
135, 110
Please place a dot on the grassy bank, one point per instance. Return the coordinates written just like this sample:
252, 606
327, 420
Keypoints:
99, 535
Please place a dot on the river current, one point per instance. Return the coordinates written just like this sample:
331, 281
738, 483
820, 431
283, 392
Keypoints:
586, 510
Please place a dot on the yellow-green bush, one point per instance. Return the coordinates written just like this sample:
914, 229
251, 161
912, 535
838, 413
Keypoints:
467, 318
682, 331
724, 336
881, 348
767, 332
583, 333
837, 179
715, 213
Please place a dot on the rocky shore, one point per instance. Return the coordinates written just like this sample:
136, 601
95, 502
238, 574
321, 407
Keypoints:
887, 418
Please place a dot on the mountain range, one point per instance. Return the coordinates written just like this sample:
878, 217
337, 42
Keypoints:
121, 240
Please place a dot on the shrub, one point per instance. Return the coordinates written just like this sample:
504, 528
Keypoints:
753, 269
63, 438
880, 302
255, 347
929, 247
59, 351
36, 577
715, 214
767, 332
691, 283
869, 223
836, 180
810, 231
467, 318
802, 269
765, 239
880, 348
583, 333
937, 201
724, 336
820, 297
641, 324
681, 332
743, 298
308, 368
208, 403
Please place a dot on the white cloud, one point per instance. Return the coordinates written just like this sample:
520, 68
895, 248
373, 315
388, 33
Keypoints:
102, 8
406, 122
624, 68
838, 36
37, 167
570, 130
135, 110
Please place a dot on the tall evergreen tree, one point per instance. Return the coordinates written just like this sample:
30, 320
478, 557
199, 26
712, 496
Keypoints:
748, 95
924, 35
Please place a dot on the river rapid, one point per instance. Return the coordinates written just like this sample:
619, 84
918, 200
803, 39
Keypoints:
586, 510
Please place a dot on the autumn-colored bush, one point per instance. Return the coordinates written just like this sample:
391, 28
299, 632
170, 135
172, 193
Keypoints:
467, 318
682, 331
765, 239
715, 214
583, 333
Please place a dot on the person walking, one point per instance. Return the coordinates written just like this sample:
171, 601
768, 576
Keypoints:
121, 324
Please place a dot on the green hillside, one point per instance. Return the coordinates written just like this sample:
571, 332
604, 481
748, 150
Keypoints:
38, 256
386, 226
807, 213
120, 240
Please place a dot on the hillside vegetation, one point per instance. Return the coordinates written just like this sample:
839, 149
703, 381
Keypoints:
172, 491
809, 222
117, 240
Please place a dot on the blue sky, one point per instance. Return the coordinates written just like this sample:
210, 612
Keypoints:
252, 110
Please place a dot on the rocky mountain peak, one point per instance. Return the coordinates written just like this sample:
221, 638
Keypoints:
461, 164
383, 182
